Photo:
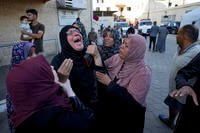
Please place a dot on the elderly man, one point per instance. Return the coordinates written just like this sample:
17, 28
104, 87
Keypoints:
189, 118
188, 48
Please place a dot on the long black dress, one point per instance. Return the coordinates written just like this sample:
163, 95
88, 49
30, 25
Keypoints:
82, 77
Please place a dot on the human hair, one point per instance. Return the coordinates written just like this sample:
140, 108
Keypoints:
191, 32
23, 17
114, 34
105, 32
33, 11
78, 19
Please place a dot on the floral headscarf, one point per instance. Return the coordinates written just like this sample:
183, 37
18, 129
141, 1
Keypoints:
20, 52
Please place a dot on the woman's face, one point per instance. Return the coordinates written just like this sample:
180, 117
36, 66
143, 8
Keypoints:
108, 39
75, 39
123, 51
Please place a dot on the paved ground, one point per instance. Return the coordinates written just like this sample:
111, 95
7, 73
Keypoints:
160, 64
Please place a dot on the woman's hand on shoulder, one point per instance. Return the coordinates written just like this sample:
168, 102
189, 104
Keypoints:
103, 78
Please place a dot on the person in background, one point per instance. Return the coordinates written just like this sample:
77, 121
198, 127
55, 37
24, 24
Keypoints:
119, 32
101, 29
162, 35
37, 28
24, 25
153, 35
136, 23
125, 86
92, 36
130, 30
110, 44
189, 117
187, 49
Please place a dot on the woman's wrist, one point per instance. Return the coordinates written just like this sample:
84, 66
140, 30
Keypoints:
67, 88
97, 60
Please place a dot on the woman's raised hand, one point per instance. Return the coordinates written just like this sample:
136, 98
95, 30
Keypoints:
64, 70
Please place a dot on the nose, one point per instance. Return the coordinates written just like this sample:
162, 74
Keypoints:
77, 34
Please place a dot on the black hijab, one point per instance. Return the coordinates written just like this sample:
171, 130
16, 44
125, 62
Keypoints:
82, 77
66, 50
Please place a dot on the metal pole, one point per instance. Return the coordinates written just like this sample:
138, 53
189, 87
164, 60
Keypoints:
183, 2
148, 10
91, 13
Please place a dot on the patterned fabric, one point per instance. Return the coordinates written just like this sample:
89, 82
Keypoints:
117, 38
10, 111
107, 52
20, 52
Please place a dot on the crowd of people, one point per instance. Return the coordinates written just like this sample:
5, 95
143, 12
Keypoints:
90, 88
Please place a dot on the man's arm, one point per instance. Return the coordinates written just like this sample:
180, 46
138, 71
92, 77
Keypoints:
34, 35
184, 87
37, 35
190, 71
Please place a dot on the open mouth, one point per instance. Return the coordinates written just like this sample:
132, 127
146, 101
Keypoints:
77, 40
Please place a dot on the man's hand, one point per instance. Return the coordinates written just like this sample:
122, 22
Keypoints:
64, 70
103, 78
185, 90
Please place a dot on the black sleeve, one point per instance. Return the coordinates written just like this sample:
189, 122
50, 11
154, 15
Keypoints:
77, 104
188, 72
101, 69
56, 62
120, 93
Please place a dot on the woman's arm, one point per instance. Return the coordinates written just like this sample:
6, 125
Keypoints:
115, 90
93, 50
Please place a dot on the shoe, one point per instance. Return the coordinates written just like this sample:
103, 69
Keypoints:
166, 121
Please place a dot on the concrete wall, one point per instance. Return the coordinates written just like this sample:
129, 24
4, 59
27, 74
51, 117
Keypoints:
85, 16
177, 11
11, 10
